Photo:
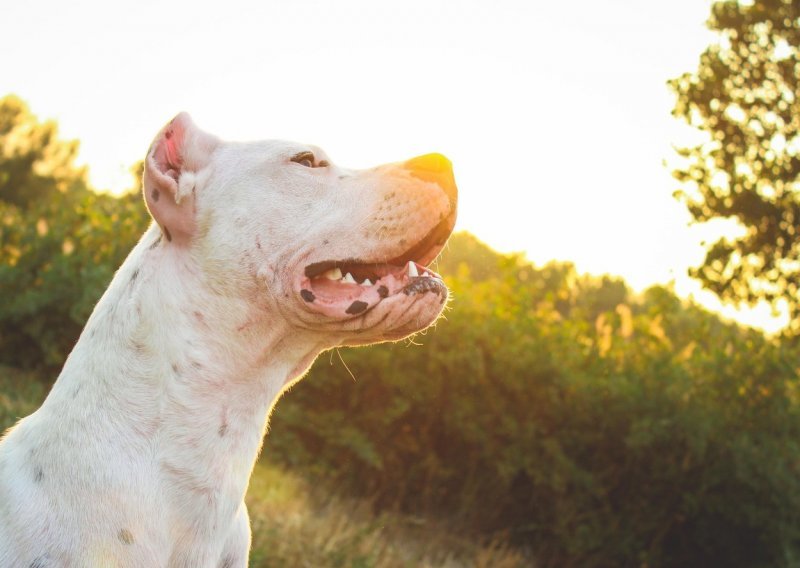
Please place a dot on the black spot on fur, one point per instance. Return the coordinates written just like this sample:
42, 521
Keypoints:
125, 536
167, 234
307, 295
38, 475
155, 194
356, 307
223, 429
383, 291
155, 243
42, 561
134, 276
174, 368
226, 562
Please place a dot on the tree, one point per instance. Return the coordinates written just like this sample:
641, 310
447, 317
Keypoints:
60, 242
603, 428
745, 96
34, 163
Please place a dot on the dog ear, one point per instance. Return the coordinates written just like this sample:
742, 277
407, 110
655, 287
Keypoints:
178, 152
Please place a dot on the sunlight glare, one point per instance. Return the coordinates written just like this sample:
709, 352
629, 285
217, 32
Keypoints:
556, 116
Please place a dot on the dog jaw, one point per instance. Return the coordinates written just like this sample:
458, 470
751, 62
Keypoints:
382, 289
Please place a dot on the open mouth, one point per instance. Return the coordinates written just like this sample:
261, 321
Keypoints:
352, 286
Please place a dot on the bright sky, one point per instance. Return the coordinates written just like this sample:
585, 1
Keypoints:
556, 115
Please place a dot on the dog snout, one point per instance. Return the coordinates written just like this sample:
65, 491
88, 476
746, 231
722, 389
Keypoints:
437, 169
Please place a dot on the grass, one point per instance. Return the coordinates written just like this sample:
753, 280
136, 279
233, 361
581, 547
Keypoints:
298, 525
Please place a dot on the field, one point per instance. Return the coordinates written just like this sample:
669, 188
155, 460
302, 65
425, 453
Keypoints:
295, 525
300, 525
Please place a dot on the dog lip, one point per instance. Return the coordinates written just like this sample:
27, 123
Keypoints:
428, 247
422, 253
316, 268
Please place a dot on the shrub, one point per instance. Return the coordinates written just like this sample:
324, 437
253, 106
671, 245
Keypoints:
596, 428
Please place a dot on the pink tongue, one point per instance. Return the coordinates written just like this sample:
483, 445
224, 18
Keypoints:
335, 289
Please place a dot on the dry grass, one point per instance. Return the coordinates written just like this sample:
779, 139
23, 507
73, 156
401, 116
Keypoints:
296, 525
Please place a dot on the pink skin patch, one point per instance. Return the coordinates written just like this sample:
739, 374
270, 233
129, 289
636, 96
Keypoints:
167, 154
177, 147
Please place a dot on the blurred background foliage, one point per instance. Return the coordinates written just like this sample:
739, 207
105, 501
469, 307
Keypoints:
593, 426
744, 97
556, 412
60, 242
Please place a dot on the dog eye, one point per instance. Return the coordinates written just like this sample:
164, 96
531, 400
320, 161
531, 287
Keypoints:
304, 159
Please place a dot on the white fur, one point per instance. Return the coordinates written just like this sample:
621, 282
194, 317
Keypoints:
141, 454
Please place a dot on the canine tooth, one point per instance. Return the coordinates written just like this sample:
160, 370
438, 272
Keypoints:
412, 269
333, 274
366, 282
349, 278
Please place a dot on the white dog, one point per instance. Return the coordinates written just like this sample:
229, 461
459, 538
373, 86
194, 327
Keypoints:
261, 256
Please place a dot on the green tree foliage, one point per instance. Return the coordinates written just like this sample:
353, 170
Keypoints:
34, 164
744, 95
60, 242
596, 428
560, 411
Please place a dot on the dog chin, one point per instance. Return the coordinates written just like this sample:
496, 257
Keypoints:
394, 319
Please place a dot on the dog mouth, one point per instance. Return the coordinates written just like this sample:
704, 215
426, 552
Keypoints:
353, 286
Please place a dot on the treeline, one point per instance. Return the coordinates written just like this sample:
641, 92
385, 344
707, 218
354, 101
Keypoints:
60, 241
592, 426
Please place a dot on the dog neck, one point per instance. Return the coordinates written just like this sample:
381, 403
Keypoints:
182, 376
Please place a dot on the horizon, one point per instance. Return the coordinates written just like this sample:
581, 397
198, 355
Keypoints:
556, 118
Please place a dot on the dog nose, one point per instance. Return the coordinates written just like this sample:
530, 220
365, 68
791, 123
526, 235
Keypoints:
434, 168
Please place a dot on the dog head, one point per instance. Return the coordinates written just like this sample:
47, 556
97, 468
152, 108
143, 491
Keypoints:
326, 248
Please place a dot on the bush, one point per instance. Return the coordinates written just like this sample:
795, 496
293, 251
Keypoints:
21, 393
60, 242
56, 260
595, 428
591, 426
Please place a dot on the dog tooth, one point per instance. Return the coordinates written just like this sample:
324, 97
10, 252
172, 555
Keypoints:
366, 282
412, 269
333, 274
349, 279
